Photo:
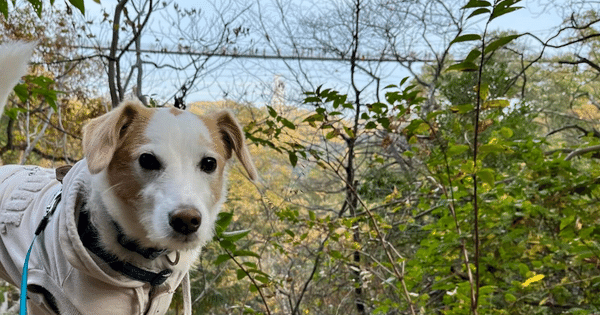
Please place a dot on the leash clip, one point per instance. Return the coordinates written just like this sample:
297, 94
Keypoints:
50, 209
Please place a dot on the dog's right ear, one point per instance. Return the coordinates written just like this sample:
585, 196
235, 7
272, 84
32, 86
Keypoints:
103, 135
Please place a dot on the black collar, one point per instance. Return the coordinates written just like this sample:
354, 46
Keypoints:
134, 246
91, 240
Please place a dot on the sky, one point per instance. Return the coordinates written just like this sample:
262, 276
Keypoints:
250, 80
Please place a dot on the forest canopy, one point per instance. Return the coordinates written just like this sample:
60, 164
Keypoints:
469, 185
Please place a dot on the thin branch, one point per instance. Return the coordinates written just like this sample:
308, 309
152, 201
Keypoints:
584, 131
113, 62
296, 309
580, 61
251, 279
582, 151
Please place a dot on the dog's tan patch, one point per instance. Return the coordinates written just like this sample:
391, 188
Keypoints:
121, 175
176, 111
228, 137
219, 147
124, 127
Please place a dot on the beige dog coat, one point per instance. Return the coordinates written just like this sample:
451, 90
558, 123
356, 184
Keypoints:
60, 265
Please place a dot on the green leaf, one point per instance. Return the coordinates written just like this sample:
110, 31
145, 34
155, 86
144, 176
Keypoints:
262, 279
221, 259
463, 66
79, 4
290, 233
466, 38
506, 132
235, 236
293, 158
52, 102
288, 123
487, 176
313, 118
14, 112
493, 46
223, 221
384, 122
457, 149
403, 80
37, 7
477, 4
228, 245
241, 274
491, 148
272, 112
503, 8
462, 109
22, 92
432, 115
473, 54
377, 107
478, 12
566, 221
349, 132
370, 125
239, 253
249, 264
318, 91
523, 269
312, 99
4, 8
336, 254
330, 135
495, 104
484, 91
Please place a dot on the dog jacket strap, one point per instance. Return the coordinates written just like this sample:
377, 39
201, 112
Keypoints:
187, 294
40, 228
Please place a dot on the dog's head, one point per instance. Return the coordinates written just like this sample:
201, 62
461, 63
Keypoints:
162, 172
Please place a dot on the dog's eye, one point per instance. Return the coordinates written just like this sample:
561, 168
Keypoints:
208, 165
149, 162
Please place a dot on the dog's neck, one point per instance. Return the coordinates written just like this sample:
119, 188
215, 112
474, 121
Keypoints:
114, 240
133, 245
91, 240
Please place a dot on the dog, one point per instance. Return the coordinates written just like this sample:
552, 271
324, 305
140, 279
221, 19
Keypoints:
133, 214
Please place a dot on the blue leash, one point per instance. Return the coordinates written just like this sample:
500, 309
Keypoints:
49, 211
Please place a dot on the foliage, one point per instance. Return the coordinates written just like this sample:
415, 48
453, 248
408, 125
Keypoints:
486, 203
37, 6
486, 222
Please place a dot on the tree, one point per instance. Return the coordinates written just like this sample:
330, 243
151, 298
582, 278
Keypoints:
131, 58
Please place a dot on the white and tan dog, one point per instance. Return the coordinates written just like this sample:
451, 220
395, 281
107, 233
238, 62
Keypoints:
134, 213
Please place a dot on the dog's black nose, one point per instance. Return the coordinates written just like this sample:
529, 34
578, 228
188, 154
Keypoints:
185, 220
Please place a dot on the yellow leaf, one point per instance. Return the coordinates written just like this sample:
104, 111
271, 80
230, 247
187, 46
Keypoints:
533, 279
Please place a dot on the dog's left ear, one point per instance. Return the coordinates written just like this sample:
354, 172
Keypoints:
234, 140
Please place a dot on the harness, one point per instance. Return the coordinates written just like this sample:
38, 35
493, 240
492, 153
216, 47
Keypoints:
90, 239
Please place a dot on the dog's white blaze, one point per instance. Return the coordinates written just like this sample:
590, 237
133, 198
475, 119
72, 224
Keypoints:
179, 140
